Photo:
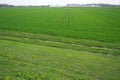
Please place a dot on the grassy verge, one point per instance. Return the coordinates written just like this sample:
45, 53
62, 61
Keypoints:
21, 61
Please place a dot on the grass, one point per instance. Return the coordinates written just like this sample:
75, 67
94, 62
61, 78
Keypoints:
21, 61
62, 42
66, 44
80, 23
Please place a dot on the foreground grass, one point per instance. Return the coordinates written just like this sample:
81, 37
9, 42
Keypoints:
21, 61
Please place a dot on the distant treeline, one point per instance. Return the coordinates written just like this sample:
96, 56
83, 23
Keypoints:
106, 5
67, 5
92, 5
7, 5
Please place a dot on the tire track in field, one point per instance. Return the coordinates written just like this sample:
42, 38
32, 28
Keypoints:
69, 16
63, 19
61, 45
66, 16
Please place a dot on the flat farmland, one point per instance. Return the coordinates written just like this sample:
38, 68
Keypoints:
59, 43
100, 24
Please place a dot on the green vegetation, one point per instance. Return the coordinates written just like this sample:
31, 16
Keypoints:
59, 43
100, 24
20, 61
62, 42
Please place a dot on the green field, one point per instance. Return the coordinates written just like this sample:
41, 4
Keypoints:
100, 24
60, 43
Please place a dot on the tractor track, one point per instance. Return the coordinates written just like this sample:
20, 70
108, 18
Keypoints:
62, 21
66, 16
69, 16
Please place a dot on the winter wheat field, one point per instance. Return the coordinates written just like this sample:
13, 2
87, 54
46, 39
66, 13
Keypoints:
60, 43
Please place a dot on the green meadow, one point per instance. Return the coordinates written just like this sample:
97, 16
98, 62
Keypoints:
59, 43
100, 24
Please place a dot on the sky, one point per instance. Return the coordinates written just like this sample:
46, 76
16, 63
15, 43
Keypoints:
56, 2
